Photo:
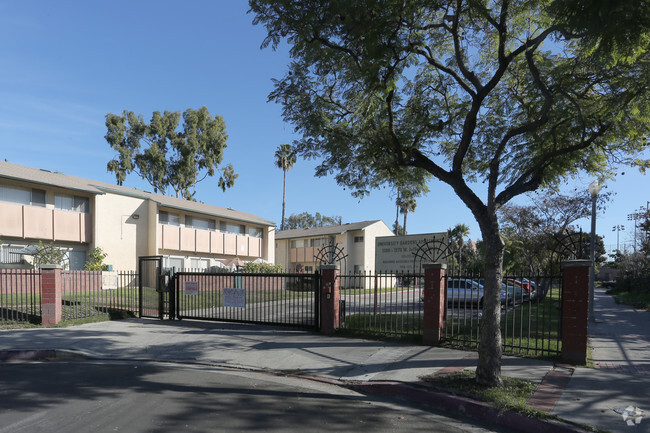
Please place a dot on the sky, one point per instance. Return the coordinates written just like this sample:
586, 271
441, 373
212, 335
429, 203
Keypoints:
64, 65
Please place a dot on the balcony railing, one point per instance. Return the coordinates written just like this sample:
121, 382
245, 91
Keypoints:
33, 222
199, 241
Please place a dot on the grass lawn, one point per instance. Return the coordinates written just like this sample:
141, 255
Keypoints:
636, 295
513, 395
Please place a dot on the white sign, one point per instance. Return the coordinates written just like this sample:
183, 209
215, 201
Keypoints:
398, 253
109, 280
234, 297
191, 288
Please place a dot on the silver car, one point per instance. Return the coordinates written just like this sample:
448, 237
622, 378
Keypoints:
463, 292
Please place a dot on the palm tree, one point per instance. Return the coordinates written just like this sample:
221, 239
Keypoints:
459, 233
285, 158
407, 204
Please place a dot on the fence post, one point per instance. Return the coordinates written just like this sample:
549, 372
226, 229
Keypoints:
51, 288
329, 299
575, 311
435, 303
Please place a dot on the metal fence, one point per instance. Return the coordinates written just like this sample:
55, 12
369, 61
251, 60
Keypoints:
390, 305
383, 304
531, 319
84, 294
277, 299
93, 293
20, 295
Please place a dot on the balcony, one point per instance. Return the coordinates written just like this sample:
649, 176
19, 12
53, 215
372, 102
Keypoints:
39, 223
303, 255
190, 240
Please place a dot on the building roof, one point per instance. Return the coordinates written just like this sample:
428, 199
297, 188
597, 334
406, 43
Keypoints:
323, 231
64, 181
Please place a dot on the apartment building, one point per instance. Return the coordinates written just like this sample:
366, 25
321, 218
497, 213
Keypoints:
297, 250
77, 215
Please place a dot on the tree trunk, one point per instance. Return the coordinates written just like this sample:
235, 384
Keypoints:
284, 190
404, 228
397, 215
488, 370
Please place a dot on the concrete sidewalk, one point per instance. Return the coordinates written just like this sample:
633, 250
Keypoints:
620, 348
588, 396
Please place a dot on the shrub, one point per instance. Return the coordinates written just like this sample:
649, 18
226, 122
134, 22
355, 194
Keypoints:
262, 268
95, 260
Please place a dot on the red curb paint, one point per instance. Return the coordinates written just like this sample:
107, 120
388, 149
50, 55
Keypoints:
550, 389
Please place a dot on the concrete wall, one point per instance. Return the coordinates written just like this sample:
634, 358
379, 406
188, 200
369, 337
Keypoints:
122, 229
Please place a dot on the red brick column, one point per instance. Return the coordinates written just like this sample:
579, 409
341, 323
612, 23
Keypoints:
329, 299
435, 304
51, 287
575, 311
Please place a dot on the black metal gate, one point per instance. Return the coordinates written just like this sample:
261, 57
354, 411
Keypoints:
273, 299
153, 287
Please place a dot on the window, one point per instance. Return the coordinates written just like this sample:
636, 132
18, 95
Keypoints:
200, 223
71, 203
308, 269
12, 194
38, 197
320, 242
174, 262
298, 243
358, 239
199, 264
237, 229
171, 219
358, 269
255, 232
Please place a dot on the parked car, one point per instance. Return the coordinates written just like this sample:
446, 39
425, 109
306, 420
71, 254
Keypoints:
515, 292
528, 288
463, 292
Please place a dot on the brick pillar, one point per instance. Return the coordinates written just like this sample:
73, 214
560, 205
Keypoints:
575, 311
329, 299
435, 304
51, 288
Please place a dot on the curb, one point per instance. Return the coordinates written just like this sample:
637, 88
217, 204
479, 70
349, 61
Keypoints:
465, 407
413, 394
41, 355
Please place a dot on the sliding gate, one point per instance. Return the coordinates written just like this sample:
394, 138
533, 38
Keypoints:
274, 299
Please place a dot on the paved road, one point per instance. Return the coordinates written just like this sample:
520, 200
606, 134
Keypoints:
153, 397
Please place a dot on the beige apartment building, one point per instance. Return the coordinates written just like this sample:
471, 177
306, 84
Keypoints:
297, 250
78, 215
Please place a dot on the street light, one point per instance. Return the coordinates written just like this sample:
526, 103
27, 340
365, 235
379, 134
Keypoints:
594, 190
618, 229
634, 217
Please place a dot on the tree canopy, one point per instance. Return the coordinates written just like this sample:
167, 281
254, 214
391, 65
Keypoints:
494, 98
306, 220
166, 157
532, 232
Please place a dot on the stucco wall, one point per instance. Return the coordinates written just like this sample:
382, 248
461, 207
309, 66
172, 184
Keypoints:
122, 235
371, 233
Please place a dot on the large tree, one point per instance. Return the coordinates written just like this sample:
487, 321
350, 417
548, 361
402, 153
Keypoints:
285, 158
533, 231
306, 220
166, 156
494, 98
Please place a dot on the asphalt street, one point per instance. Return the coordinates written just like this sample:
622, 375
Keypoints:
114, 396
